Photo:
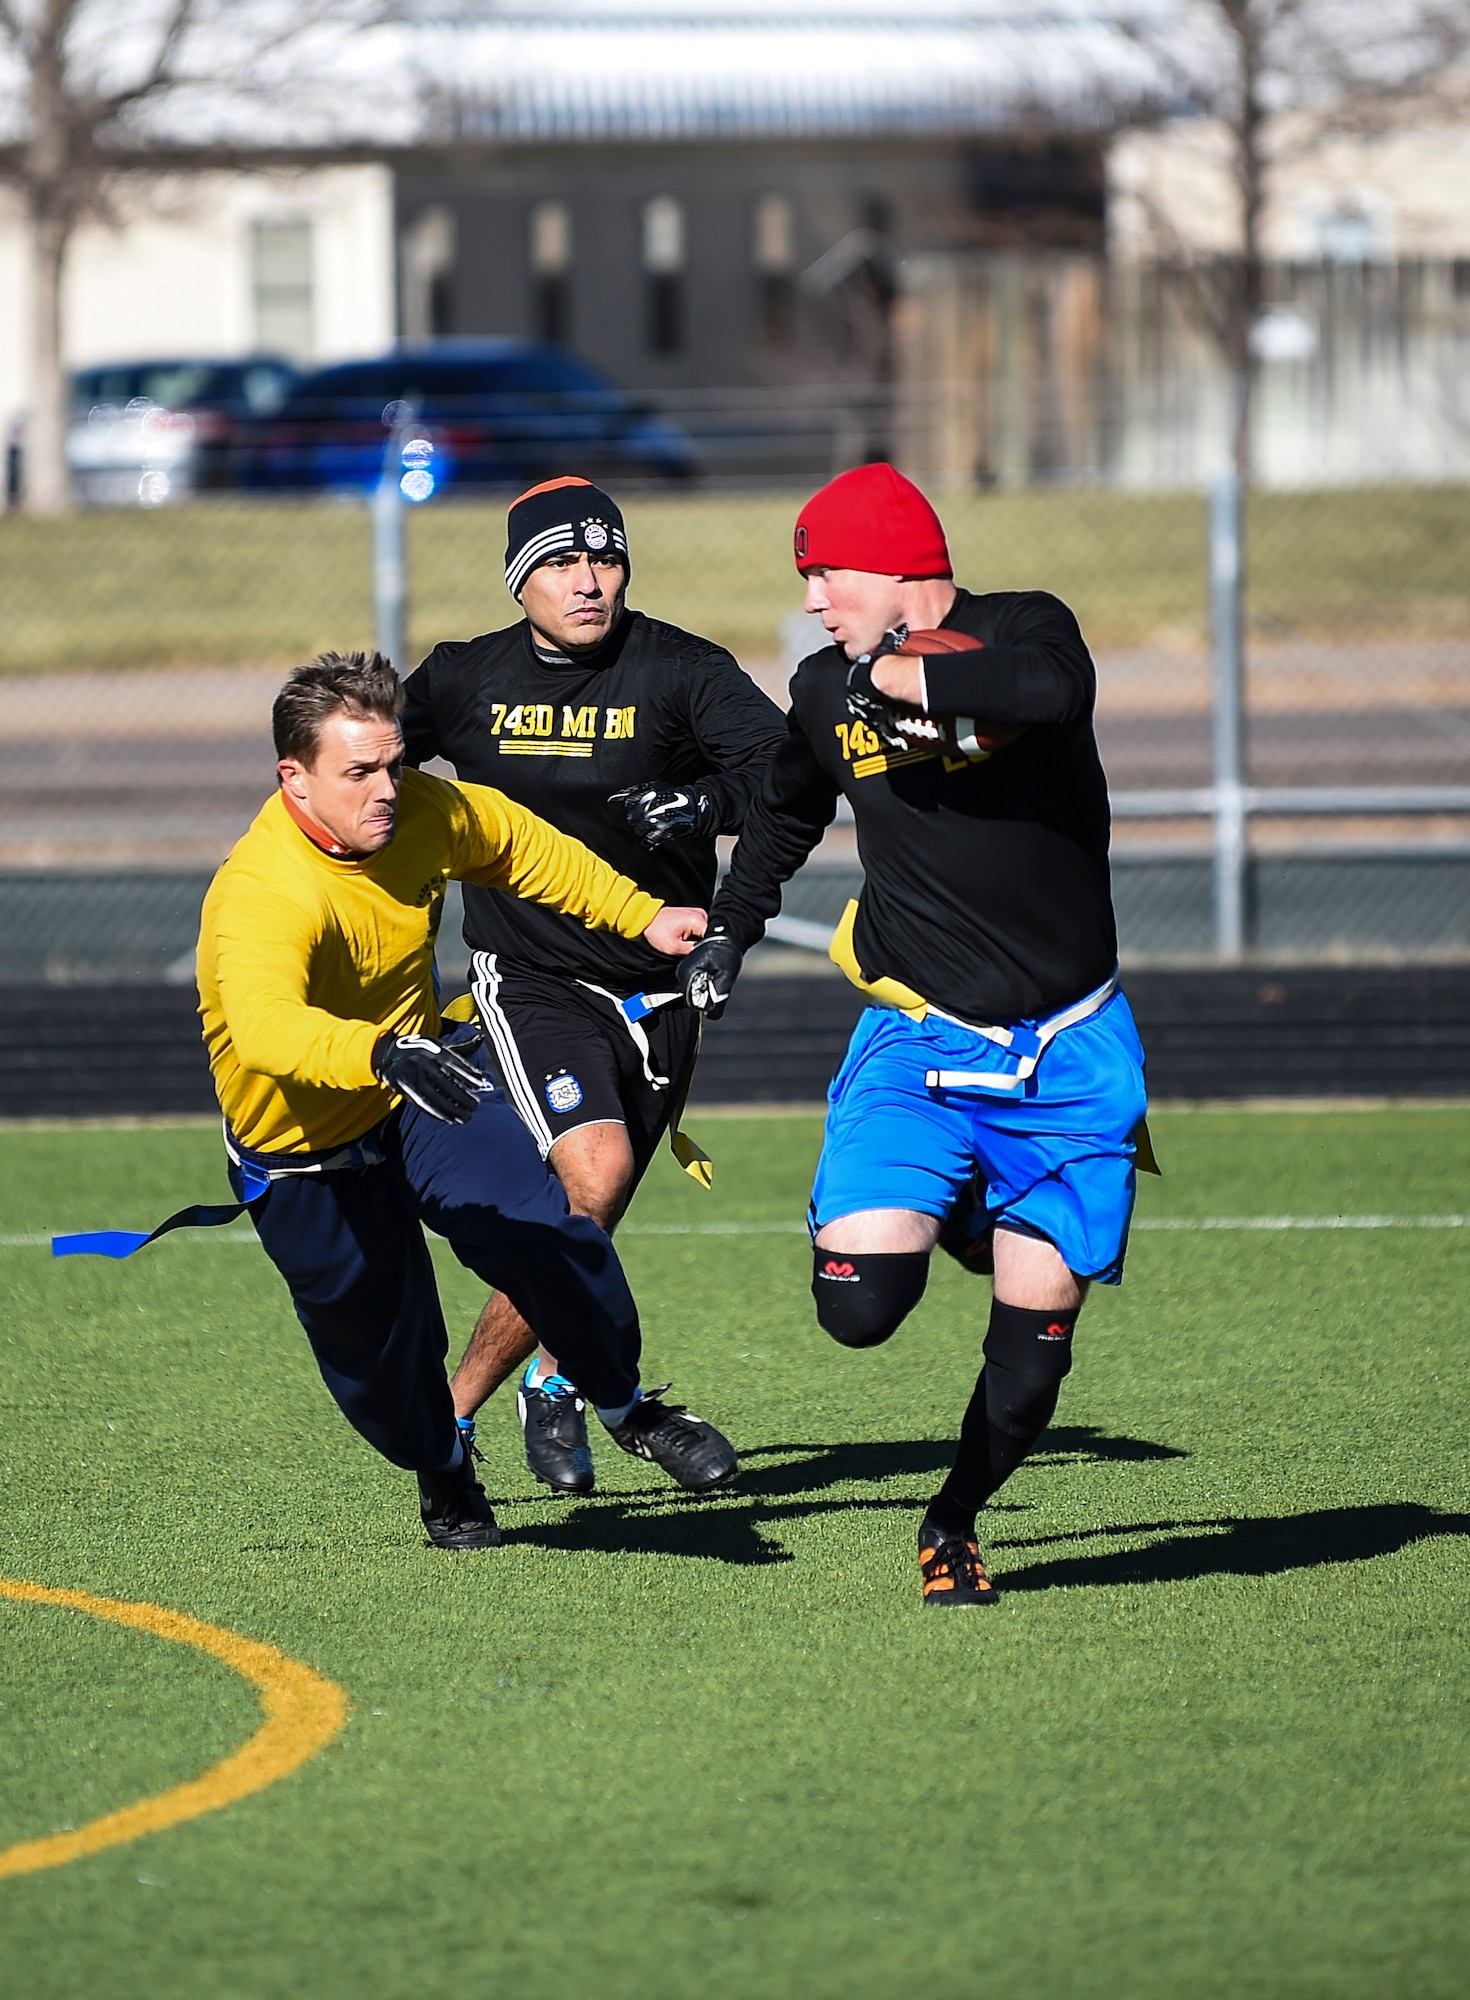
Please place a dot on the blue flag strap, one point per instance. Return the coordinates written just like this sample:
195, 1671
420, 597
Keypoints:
638, 1005
118, 1243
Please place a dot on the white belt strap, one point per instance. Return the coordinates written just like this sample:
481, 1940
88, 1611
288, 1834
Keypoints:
1027, 1045
633, 1010
364, 1152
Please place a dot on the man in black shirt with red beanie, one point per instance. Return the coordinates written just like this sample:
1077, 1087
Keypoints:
645, 742
991, 1099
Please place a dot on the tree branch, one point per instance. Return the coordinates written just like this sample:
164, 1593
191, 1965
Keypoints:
1183, 261
98, 108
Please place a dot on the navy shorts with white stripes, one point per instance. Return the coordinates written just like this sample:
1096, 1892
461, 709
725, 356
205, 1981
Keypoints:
567, 1057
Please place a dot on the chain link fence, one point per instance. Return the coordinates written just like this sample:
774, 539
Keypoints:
139, 652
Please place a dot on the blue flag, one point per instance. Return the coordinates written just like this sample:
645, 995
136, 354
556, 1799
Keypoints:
118, 1243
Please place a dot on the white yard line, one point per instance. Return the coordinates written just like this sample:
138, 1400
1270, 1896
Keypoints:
713, 1229
1184, 1223
1162, 1222
1201, 1222
36, 1242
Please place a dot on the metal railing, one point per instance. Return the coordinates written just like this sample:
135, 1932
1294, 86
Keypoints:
1230, 801
141, 651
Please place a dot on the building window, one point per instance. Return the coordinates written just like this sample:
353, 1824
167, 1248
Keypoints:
663, 275
1351, 233
428, 252
774, 256
280, 279
551, 262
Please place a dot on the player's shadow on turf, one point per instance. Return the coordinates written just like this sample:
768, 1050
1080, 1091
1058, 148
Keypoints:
823, 1465
1267, 1546
670, 1524
1085, 1444
846, 1464
660, 1526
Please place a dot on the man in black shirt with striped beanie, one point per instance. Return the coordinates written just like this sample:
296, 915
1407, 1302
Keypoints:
645, 742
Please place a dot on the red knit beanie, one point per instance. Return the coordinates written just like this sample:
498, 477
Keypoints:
872, 518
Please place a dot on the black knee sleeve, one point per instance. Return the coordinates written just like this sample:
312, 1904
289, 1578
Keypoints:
864, 1296
1028, 1356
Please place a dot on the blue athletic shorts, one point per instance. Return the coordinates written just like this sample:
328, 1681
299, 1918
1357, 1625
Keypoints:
1056, 1155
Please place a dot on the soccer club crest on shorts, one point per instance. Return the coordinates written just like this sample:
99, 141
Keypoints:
563, 1092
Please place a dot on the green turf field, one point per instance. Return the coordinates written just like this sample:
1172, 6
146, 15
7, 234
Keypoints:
1213, 1742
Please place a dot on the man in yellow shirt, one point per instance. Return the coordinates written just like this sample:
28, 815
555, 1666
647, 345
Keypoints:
350, 1120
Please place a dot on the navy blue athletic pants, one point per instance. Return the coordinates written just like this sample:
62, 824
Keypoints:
350, 1245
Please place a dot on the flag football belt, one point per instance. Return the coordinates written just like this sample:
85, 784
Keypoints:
255, 1180
1025, 1045
634, 1011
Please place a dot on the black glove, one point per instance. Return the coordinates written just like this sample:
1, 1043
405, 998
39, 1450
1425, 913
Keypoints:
657, 813
898, 725
707, 974
438, 1080
869, 704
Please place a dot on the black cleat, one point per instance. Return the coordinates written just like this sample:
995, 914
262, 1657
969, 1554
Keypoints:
691, 1451
554, 1420
951, 1569
965, 1233
455, 1512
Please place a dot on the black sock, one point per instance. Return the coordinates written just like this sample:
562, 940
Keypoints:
1027, 1356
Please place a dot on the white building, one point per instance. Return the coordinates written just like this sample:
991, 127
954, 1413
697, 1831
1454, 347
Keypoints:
294, 261
934, 206
1364, 345
487, 114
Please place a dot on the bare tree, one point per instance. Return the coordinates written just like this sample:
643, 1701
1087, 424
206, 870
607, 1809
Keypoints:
101, 91
1278, 79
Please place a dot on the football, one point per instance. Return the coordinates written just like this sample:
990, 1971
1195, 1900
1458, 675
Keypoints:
971, 736
917, 644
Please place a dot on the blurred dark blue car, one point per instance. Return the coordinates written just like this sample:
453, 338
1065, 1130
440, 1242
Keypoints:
458, 415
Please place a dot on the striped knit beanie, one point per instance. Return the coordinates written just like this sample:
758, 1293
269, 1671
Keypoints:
561, 516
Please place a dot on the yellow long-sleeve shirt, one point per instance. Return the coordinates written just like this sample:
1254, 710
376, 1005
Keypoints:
305, 960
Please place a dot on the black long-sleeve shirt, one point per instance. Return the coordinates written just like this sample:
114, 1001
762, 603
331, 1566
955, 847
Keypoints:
987, 887
651, 705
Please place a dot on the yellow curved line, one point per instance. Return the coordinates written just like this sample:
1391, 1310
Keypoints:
303, 1712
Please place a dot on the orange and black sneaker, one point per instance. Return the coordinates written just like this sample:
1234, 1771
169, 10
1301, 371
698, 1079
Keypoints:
951, 1568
